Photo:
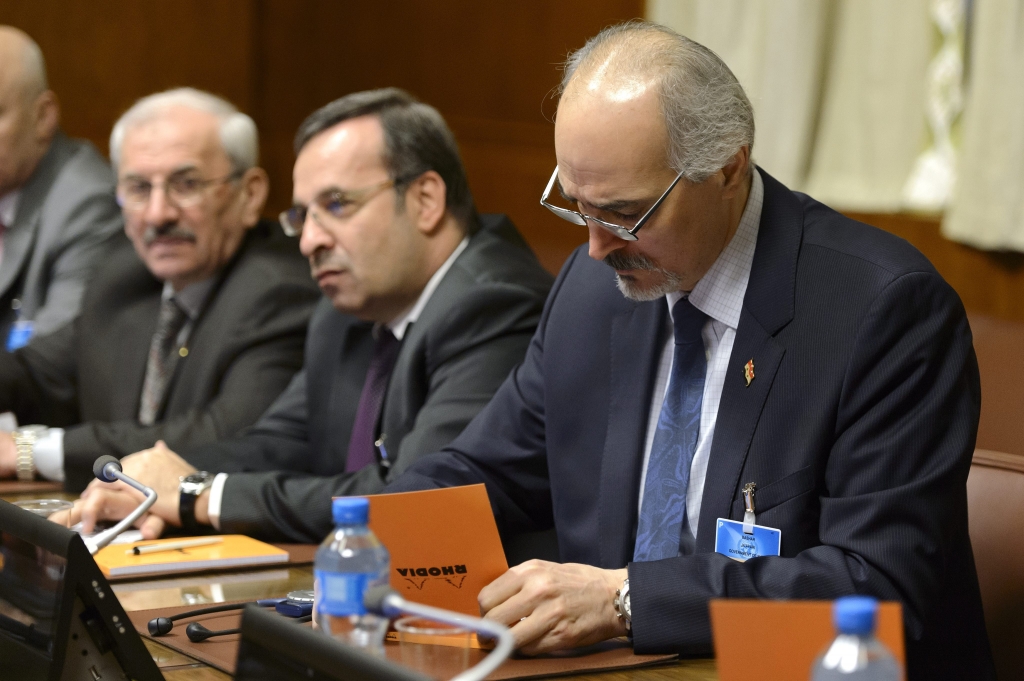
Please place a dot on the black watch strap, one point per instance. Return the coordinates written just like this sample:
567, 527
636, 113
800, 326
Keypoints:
187, 511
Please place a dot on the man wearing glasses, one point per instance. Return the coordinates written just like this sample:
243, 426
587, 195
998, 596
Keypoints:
191, 325
740, 393
427, 307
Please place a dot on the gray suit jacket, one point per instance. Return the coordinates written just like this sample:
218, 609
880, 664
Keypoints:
87, 376
473, 330
66, 216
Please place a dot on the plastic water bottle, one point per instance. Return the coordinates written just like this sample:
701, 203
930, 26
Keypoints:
855, 654
348, 562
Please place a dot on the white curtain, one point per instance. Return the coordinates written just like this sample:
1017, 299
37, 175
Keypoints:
837, 87
988, 206
777, 50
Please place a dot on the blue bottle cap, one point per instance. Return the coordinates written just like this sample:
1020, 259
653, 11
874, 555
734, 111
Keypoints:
350, 510
855, 615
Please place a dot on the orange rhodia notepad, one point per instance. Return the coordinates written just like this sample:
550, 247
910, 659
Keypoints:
443, 543
234, 551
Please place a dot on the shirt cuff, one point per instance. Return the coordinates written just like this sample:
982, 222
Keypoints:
48, 453
216, 497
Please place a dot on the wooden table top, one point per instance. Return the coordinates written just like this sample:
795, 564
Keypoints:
207, 589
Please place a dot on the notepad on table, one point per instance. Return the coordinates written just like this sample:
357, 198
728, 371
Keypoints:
235, 551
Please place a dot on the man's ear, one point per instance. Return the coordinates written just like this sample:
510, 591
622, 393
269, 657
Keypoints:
47, 116
426, 203
736, 171
255, 185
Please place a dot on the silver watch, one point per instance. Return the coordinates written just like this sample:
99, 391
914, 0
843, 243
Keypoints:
195, 483
621, 603
25, 445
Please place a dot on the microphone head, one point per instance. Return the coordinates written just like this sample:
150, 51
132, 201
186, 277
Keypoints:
196, 632
160, 626
375, 597
99, 468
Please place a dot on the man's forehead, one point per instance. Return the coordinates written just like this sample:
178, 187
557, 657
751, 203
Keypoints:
600, 140
342, 156
175, 139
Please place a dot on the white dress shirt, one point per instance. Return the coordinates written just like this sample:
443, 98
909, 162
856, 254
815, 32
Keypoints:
719, 295
48, 450
399, 325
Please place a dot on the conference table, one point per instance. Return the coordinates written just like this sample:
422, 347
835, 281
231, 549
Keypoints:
209, 588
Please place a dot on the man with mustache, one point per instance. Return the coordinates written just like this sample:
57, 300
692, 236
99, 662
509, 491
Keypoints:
752, 362
427, 307
195, 319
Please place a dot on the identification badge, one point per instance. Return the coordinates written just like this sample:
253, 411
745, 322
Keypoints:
20, 335
732, 542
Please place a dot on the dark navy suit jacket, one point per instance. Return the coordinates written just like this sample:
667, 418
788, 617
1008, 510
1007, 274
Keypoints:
858, 428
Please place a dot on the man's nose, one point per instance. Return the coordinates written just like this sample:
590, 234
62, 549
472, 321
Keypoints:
602, 242
313, 237
159, 210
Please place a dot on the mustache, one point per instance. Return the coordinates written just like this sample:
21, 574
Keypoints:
169, 230
328, 260
623, 261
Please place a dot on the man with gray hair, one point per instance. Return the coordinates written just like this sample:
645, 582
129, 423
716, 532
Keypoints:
57, 207
194, 323
427, 307
807, 434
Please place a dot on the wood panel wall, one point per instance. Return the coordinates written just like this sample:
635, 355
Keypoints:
489, 67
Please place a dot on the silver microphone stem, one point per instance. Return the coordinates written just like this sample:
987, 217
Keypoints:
97, 542
394, 604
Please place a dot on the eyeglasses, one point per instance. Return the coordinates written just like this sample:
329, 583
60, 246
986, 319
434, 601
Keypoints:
338, 204
577, 218
184, 189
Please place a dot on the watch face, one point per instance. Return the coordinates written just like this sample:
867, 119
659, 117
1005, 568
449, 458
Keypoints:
195, 483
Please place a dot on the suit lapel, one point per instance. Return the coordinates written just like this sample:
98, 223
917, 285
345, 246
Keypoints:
768, 306
139, 325
19, 237
636, 339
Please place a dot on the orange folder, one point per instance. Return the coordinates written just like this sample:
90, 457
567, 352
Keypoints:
444, 545
782, 639
234, 551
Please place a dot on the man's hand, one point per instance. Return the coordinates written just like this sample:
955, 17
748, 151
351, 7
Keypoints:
550, 606
159, 468
8, 456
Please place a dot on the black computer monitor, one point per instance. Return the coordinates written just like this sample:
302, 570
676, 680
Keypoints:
275, 647
59, 618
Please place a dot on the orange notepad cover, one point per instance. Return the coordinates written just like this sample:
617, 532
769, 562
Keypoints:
444, 547
234, 551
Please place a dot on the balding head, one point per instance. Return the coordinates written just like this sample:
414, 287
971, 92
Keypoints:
648, 115
28, 109
706, 114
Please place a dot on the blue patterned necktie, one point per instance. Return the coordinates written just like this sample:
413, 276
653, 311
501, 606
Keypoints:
668, 467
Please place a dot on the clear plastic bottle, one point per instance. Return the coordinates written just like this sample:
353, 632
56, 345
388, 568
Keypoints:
855, 654
348, 562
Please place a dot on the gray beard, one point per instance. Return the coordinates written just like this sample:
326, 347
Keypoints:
634, 291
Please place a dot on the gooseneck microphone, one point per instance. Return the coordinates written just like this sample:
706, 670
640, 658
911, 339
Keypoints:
385, 601
108, 469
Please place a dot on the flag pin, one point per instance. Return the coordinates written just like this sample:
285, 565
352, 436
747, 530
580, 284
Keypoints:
748, 371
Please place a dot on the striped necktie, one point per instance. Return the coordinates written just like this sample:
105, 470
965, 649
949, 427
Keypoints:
675, 441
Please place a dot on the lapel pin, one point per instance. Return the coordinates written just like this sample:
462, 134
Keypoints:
748, 371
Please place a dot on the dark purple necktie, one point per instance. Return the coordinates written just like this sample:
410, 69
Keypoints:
360, 446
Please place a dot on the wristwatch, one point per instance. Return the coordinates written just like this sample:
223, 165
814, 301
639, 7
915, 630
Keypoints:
25, 444
189, 489
621, 603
